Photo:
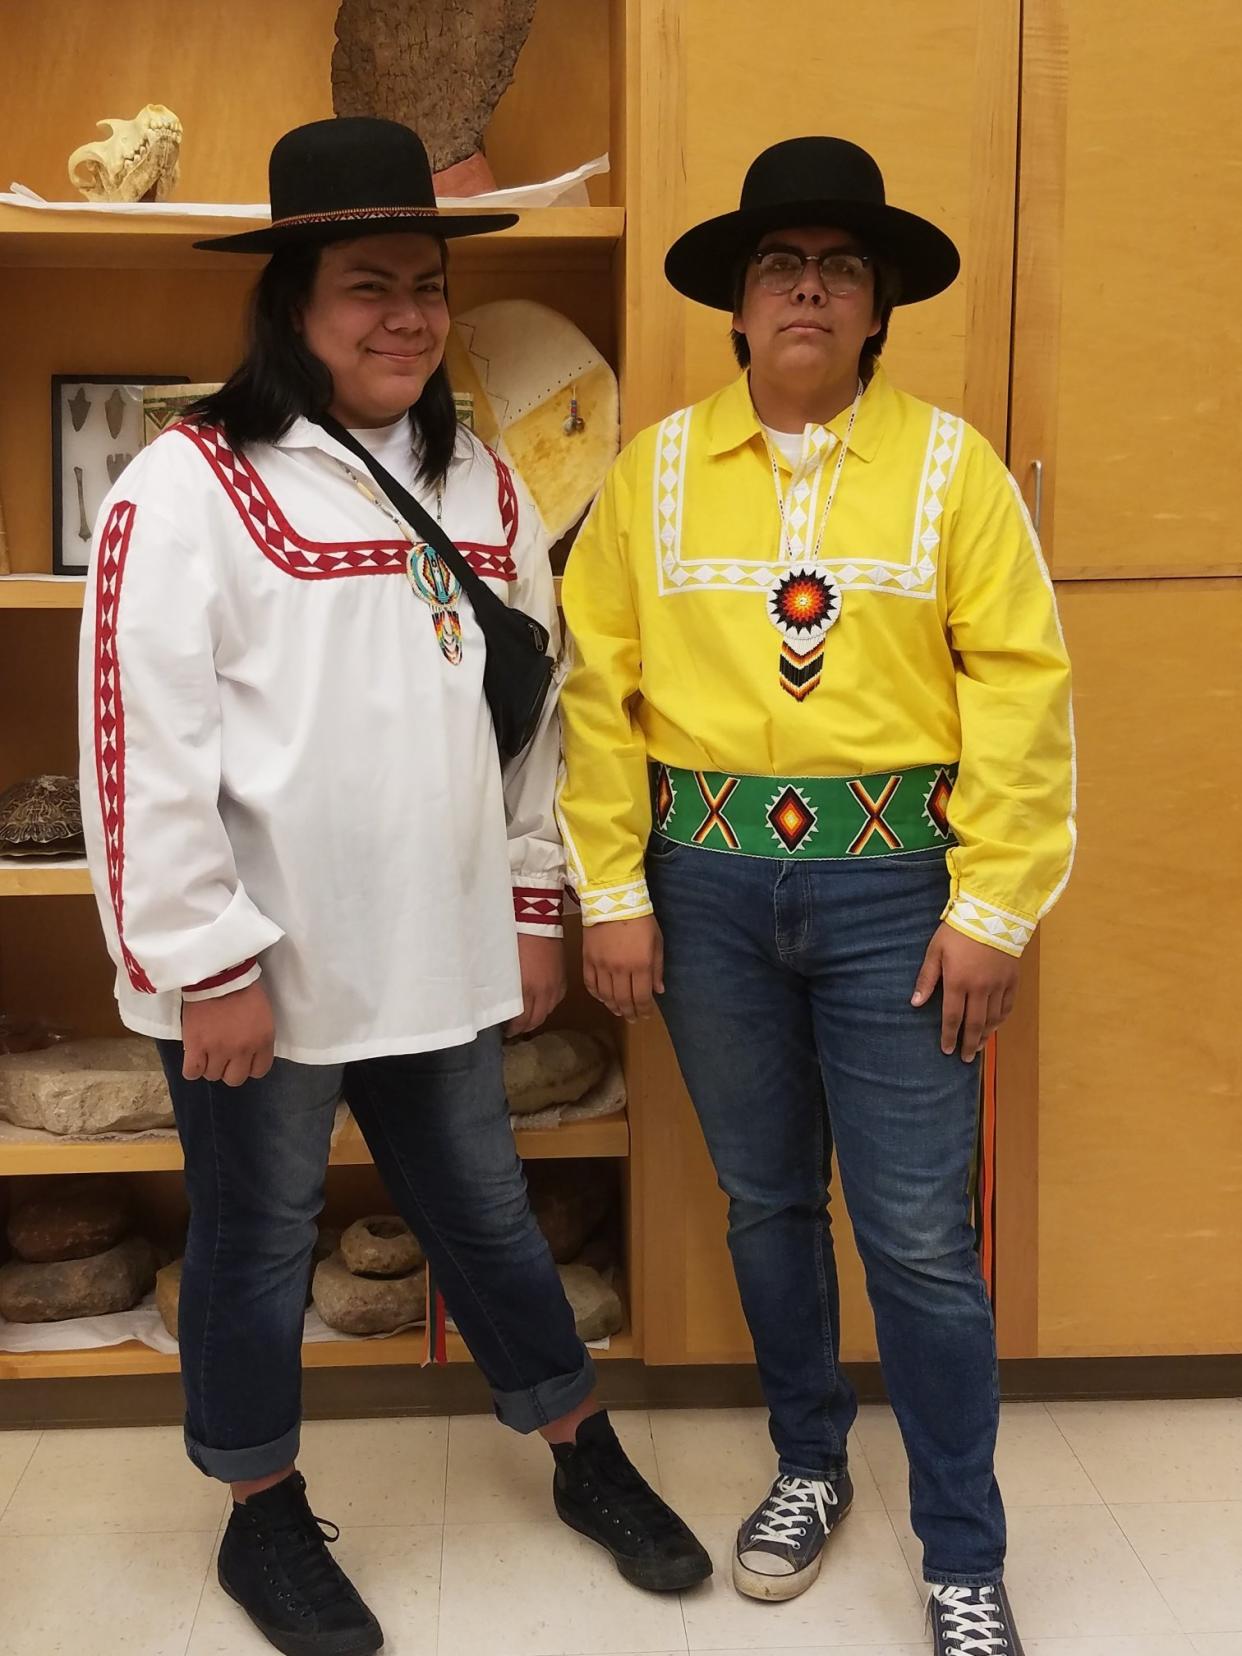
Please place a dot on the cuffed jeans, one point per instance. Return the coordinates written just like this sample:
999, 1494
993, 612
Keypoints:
437, 1126
787, 996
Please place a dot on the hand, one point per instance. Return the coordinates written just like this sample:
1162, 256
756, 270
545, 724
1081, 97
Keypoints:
542, 960
228, 1039
623, 965
980, 984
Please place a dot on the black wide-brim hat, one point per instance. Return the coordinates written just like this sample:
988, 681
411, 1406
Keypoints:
352, 176
805, 181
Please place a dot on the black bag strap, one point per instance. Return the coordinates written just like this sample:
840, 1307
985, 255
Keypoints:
481, 596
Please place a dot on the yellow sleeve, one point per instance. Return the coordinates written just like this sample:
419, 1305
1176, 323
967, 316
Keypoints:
603, 804
1013, 806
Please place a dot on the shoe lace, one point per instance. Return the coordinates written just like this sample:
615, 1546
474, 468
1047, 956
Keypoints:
971, 1620
616, 1474
303, 1551
788, 1509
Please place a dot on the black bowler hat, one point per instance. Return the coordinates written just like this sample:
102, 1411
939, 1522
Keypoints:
822, 181
352, 176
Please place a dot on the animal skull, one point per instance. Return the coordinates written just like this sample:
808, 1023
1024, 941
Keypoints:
138, 161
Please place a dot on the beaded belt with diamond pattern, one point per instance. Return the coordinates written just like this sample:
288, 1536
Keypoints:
807, 817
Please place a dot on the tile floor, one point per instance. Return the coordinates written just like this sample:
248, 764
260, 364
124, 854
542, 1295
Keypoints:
1125, 1522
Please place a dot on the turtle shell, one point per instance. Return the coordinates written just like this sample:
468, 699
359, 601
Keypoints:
42, 815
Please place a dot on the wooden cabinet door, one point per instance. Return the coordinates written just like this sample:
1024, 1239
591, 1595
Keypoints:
1128, 337
1140, 1058
931, 91
1127, 363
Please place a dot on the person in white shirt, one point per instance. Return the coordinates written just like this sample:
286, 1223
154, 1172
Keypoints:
314, 874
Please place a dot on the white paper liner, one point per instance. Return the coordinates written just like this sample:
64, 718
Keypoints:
567, 190
90, 1333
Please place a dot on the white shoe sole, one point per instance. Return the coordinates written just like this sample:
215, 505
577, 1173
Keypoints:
778, 1589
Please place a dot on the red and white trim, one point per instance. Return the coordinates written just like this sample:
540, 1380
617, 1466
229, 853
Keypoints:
309, 560
271, 531
538, 906
492, 563
110, 719
507, 500
220, 979
226, 983
496, 563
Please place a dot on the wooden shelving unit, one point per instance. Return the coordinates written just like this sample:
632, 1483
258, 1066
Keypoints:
607, 1137
400, 1350
36, 238
94, 291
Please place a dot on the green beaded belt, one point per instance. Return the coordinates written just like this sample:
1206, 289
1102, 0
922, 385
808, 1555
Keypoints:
809, 817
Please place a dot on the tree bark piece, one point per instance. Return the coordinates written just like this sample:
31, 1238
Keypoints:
439, 66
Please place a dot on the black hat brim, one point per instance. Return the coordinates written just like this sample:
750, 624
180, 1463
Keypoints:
272, 237
702, 264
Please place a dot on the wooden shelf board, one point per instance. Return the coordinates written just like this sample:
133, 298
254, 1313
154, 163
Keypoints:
29, 877
608, 1137
29, 1157
23, 592
135, 1358
33, 238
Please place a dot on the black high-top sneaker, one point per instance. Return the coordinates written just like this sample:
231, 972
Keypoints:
275, 1563
972, 1621
780, 1547
602, 1495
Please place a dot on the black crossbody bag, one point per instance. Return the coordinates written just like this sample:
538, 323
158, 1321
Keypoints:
517, 675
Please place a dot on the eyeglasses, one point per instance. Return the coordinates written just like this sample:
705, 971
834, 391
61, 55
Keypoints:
781, 269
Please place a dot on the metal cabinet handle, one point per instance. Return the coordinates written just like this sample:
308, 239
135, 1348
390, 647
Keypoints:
1037, 504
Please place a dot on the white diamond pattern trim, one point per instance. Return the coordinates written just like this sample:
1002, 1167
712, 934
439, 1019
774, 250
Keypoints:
672, 446
915, 578
989, 924
623, 902
944, 446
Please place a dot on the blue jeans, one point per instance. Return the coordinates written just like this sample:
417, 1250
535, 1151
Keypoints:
437, 1126
787, 995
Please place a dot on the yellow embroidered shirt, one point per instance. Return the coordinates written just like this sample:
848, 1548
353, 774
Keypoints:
947, 648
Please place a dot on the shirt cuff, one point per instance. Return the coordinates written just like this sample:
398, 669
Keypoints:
224, 983
537, 910
619, 902
985, 923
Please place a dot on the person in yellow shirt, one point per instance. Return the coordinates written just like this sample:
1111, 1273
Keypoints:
818, 792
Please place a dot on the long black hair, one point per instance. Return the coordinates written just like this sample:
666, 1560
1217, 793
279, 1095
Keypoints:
280, 379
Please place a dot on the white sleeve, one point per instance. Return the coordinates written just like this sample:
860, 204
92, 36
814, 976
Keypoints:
536, 855
175, 913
